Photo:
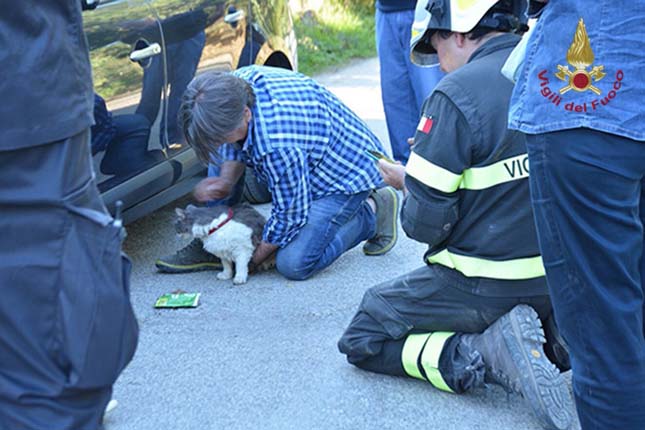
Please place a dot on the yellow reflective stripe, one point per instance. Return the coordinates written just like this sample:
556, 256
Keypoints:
511, 169
475, 178
432, 175
430, 359
465, 4
410, 354
519, 268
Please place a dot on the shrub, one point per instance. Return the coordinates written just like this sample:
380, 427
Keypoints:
332, 32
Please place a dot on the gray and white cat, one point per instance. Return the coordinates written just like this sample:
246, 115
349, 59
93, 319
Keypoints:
232, 234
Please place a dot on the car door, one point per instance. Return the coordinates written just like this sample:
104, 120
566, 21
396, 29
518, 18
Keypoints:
199, 35
144, 53
126, 46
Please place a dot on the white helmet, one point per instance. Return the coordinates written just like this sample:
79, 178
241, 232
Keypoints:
462, 16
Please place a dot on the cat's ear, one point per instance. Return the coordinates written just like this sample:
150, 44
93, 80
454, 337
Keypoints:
180, 213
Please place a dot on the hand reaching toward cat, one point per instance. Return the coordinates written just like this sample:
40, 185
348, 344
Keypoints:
212, 188
262, 253
266, 265
219, 187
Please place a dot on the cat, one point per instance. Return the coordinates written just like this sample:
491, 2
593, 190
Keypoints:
231, 234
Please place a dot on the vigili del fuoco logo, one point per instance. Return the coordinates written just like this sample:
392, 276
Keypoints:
580, 56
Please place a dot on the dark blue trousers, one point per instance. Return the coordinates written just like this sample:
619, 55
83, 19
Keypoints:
436, 298
127, 153
182, 60
67, 328
588, 195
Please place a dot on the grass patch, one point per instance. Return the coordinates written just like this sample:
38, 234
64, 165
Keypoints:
333, 34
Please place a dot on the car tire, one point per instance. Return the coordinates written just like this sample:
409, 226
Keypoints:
255, 192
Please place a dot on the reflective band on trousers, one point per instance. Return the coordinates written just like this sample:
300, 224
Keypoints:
429, 346
410, 355
430, 359
519, 268
475, 178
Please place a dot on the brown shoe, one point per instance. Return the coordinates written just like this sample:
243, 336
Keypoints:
387, 221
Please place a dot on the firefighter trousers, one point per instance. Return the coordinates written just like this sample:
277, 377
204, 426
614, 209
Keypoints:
433, 298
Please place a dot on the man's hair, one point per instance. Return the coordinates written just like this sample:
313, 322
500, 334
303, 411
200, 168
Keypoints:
212, 107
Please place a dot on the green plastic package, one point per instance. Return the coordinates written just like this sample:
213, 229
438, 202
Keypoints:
178, 300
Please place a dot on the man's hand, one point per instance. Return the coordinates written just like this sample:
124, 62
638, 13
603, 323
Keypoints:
212, 188
392, 174
262, 252
219, 187
265, 266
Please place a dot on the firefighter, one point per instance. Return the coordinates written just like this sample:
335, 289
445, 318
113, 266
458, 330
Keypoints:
472, 315
579, 100
68, 327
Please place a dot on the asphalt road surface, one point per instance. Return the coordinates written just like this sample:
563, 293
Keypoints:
263, 355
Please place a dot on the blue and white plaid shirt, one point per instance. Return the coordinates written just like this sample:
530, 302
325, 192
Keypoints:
305, 144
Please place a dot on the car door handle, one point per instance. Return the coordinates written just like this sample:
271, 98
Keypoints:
234, 17
147, 52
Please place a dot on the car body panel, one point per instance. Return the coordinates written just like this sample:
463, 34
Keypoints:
176, 39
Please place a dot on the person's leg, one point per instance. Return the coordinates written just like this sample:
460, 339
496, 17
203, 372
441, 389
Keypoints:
68, 324
335, 224
417, 325
642, 216
421, 302
151, 92
422, 79
183, 65
586, 189
399, 101
128, 152
404, 86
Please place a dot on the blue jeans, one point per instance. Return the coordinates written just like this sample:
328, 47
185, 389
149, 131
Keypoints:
404, 86
588, 194
335, 224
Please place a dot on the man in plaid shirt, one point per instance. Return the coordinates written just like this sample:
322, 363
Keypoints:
311, 151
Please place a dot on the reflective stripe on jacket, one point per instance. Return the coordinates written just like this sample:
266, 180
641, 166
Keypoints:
467, 177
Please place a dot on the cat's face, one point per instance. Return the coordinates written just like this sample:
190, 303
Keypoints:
183, 222
185, 219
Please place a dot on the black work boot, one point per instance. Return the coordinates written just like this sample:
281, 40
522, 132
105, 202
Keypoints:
387, 218
191, 258
512, 351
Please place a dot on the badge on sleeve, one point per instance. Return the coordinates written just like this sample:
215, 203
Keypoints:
580, 56
425, 125
580, 79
